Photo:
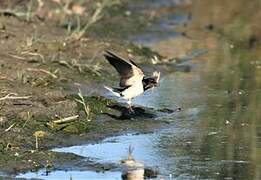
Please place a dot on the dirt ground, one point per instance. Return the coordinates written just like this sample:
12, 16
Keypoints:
42, 66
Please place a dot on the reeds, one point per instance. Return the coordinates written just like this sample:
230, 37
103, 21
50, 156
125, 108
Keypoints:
86, 107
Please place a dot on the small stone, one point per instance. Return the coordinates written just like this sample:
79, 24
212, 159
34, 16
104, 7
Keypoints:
243, 124
3, 120
210, 26
188, 142
127, 13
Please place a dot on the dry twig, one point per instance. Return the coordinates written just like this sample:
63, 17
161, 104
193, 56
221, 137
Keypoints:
10, 127
44, 71
66, 120
13, 96
17, 57
34, 54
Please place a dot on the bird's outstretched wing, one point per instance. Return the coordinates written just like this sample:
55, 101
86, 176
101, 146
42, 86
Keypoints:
128, 70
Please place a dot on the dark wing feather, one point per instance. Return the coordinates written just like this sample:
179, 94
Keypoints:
128, 71
133, 62
123, 67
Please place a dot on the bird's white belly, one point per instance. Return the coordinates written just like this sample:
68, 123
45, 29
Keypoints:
133, 91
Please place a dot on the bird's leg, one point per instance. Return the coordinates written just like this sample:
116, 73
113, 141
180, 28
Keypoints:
129, 106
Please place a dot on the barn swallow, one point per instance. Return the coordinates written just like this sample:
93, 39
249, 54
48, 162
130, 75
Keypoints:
132, 80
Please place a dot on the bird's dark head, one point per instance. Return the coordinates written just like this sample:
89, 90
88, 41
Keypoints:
151, 82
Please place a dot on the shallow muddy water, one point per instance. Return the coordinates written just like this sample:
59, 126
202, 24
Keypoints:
217, 135
59, 174
162, 28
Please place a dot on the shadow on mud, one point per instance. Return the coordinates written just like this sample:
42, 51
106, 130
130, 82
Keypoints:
140, 112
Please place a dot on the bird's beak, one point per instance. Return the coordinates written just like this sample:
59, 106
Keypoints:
156, 74
158, 78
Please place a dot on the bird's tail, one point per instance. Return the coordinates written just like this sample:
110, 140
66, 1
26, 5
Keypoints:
112, 91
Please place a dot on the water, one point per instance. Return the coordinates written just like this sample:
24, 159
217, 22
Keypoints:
71, 175
117, 147
216, 136
163, 27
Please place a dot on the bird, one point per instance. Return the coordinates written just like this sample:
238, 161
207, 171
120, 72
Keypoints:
132, 79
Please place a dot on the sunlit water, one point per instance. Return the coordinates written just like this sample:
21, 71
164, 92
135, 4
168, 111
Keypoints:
67, 175
217, 135
162, 29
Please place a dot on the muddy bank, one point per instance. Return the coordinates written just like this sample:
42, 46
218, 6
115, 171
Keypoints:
42, 67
